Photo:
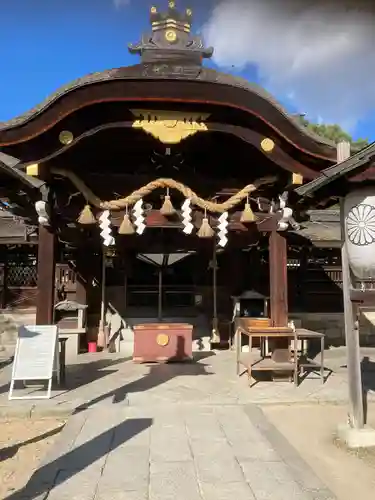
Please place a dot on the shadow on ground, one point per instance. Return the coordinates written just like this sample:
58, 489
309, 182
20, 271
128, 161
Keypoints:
55, 473
158, 374
10, 451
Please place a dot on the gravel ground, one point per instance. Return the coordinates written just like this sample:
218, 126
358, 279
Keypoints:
23, 443
311, 430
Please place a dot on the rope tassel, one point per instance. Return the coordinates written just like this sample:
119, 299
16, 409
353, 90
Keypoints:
126, 226
205, 231
167, 208
247, 214
86, 217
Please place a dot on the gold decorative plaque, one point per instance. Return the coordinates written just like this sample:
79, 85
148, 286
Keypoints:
66, 137
32, 170
297, 179
162, 339
267, 145
171, 36
169, 127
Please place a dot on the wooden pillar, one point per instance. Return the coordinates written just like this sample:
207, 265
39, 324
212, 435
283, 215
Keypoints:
83, 276
356, 409
46, 276
278, 279
4, 295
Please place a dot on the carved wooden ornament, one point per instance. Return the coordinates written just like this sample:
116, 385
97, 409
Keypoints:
170, 127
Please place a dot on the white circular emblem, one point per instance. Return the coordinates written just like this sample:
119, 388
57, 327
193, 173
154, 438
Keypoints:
360, 224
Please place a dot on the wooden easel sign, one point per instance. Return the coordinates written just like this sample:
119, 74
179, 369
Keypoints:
36, 358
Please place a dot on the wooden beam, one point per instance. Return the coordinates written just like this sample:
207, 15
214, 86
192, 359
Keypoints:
46, 276
278, 279
154, 219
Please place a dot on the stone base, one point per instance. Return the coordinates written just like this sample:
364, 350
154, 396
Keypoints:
356, 438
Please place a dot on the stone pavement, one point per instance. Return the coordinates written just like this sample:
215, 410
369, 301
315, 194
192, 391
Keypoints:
101, 378
182, 431
172, 453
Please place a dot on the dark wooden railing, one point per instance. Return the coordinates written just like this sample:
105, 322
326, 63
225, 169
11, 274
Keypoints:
312, 288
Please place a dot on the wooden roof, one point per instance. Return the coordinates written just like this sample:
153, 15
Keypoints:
350, 169
170, 72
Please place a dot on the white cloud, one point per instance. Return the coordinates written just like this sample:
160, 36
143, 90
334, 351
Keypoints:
318, 54
121, 3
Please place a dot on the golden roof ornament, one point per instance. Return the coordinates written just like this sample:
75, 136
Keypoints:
171, 38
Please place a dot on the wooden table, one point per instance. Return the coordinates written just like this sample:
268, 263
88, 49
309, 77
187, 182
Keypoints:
265, 363
306, 364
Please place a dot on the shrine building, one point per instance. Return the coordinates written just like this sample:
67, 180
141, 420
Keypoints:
166, 192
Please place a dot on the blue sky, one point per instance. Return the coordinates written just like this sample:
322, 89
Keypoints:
47, 43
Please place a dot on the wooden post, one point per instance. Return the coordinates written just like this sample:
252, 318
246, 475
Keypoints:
278, 279
46, 276
84, 276
4, 295
160, 294
356, 410
215, 335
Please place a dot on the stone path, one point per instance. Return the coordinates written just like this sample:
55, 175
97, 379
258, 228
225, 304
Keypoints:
99, 378
185, 431
172, 453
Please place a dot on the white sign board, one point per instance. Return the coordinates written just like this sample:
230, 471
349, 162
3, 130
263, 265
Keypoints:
36, 357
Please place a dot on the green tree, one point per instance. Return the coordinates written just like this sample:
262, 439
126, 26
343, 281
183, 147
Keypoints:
333, 132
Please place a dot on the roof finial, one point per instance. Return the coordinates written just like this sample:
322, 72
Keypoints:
181, 20
171, 38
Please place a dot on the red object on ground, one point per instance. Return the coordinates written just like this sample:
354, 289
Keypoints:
92, 347
162, 342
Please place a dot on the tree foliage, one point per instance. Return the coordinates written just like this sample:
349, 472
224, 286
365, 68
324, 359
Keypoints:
333, 133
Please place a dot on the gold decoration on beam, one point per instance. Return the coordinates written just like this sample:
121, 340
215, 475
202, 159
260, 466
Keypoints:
297, 179
170, 127
86, 217
171, 36
66, 137
267, 145
122, 203
33, 170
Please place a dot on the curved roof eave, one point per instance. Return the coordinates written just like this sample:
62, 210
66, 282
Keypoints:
143, 72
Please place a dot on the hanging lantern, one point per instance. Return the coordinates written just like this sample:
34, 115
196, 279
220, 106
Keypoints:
359, 214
